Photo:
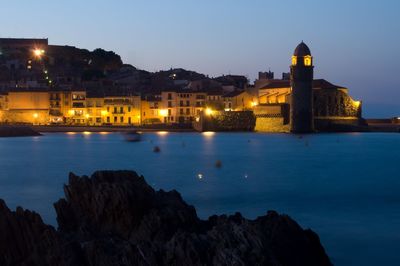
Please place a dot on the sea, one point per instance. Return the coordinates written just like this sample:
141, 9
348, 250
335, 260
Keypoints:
345, 187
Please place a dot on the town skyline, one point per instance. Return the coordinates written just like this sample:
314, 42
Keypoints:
357, 53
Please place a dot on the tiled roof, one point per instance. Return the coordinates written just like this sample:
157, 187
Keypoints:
317, 83
232, 94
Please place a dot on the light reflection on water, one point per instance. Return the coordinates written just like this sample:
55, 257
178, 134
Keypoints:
344, 186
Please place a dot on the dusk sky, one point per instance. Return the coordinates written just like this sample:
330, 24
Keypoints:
355, 44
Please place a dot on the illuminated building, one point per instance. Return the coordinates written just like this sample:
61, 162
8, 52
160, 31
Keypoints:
309, 101
122, 110
95, 110
25, 106
239, 100
182, 105
152, 113
75, 103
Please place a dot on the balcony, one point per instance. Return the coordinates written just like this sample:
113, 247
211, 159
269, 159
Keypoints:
78, 105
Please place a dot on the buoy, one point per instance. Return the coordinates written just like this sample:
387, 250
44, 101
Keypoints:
156, 149
218, 164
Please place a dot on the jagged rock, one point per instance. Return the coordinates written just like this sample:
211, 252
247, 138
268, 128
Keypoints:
116, 218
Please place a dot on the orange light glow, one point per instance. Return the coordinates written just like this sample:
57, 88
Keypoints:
163, 112
294, 60
209, 111
38, 52
208, 133
307, 60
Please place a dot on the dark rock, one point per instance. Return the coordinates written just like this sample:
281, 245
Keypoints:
116, 218
17, 131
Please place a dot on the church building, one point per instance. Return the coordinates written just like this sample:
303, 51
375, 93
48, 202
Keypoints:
304, 104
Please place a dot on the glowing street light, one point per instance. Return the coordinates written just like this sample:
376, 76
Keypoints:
209, 111
35, 115
38, 52
163, 112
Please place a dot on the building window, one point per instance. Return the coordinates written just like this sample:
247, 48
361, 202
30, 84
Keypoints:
129, 120
108, 119
187, 111
129, 108
121, 110
115, 110
294, 60
187, 103
169, 96
115, 119
121, 119
169, 104
307, 60
169, 112
181, 111
181, 103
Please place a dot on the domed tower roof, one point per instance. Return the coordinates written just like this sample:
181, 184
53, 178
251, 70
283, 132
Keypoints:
302, 50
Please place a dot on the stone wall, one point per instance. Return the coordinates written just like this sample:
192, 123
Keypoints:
36, 117
335, 103
226, 121
271, 124
340, 125
272, 118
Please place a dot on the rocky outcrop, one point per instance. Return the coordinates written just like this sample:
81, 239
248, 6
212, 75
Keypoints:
17, 131
116, 218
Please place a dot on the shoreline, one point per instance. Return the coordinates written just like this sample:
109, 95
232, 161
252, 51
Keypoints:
373, 128
19, 130
61, 129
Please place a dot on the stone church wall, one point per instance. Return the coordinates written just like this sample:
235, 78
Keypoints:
272, 124
335, 103
226, 121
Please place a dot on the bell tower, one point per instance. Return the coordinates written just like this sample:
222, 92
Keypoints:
301, 78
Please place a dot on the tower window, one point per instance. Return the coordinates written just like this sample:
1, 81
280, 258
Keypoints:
294, 60
307, 60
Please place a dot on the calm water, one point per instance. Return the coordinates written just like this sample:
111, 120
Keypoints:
346, 187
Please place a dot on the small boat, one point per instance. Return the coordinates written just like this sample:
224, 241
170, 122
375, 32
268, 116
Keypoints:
132, 136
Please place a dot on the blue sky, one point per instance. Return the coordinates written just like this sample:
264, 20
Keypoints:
355, 44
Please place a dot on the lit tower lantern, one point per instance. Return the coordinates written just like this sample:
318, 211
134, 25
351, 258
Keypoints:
301, 78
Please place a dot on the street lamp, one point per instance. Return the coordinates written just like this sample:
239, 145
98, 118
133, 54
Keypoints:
38, 53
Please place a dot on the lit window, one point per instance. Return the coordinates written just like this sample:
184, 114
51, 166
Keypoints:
307, 60
294, 60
